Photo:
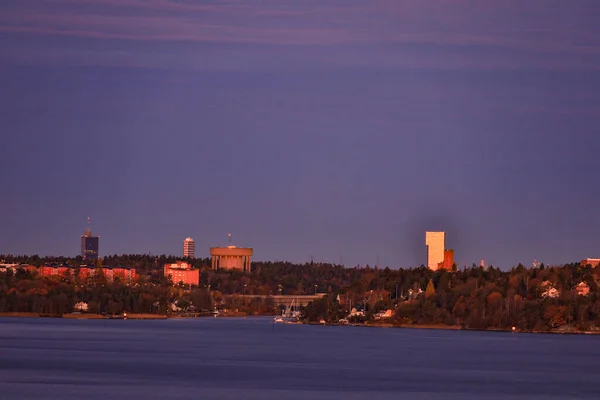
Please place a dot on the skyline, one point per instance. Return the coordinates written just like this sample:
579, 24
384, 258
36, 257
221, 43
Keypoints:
312, 258
325, 129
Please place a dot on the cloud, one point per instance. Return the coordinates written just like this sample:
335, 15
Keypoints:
458, 22
448, 24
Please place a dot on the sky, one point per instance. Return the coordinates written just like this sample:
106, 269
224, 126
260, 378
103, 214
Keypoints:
337, 130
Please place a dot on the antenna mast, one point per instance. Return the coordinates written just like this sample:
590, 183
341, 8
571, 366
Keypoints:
88, 231
229, 238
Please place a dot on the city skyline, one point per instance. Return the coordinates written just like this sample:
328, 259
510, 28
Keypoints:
437, 255
307, 129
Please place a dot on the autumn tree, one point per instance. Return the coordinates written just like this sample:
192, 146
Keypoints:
430, 291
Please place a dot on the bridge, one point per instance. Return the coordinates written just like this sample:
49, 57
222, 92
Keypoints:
282, 300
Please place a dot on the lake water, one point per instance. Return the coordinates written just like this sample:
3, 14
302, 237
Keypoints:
221, 358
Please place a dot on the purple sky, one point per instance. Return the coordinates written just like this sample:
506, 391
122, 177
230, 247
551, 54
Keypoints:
342, 128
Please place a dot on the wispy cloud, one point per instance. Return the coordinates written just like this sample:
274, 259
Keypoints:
535, 26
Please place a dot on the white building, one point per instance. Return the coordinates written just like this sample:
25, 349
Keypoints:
548, 290
384, 314
355, 313
189, 248
435, 242
81, 306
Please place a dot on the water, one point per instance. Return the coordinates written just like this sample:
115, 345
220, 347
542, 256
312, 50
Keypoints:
220, 358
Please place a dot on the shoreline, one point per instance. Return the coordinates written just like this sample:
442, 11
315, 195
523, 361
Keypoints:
81, 316
558, 331
133, 316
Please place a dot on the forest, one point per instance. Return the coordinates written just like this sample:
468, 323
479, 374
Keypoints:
546, 298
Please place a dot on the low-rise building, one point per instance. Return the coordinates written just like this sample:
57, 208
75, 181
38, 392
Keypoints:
582, 289
124, 274
50, 270
81, 306
593, 262
551, 293
8, 267
384, 314
356, 313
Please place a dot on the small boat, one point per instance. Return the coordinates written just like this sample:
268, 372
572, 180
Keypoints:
292, 312
214, 313
278, 320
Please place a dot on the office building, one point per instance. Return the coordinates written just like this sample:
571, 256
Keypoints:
89, 246
189, 248
435, 242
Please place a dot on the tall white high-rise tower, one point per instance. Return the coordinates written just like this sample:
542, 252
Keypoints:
189, 248
435, 242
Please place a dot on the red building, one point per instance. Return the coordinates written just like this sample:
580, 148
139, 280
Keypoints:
48, 270
448, 260
594, 262
125, 275
182, 272
85, 272
30, 268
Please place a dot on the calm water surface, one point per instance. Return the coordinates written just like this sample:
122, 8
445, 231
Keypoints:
222, 358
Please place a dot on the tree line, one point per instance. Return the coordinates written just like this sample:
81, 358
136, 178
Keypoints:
529, 299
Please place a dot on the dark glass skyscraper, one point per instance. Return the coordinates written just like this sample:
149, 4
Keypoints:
89, 246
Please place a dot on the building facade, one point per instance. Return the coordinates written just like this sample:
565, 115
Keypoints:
90, 245
189, 248
182, 272
435, 242
593, 262
46, 270
123, 274
231, 257
448, 262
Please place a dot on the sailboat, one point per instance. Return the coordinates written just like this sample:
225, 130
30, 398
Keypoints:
291, 315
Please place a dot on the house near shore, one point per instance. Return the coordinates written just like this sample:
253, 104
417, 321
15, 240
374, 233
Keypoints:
384, 314
356, 313
551, 293
80, 307
582, 289
548, 290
